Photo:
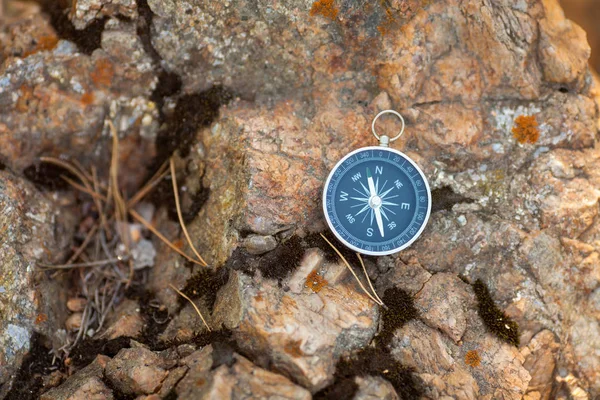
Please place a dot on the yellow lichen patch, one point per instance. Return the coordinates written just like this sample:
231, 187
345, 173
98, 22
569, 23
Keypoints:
472, 358
315, 281
526, 129
325, 8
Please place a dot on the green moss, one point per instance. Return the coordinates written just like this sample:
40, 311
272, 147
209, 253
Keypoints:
284, 259
372, 361
495, 320
445, 198
400, 309
316, 240
206, 283
377, 361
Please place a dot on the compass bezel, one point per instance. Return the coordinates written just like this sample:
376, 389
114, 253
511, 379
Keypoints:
341, 238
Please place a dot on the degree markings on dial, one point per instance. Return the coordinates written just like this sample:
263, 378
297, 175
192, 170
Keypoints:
362, 196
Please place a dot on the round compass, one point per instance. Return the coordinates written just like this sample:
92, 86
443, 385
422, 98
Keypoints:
376, 200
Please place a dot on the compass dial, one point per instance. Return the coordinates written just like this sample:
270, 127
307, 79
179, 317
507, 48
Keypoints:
377, 201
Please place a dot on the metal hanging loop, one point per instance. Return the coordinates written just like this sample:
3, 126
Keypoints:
384, 140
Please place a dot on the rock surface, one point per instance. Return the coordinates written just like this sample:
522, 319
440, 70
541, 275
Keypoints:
236, 379
86, 384
301, 331
85, 11
31, 232
136, 371
55, 99
517, 211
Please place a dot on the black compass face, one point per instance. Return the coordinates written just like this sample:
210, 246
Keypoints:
377, 201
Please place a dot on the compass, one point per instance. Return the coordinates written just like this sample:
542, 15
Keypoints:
376, 199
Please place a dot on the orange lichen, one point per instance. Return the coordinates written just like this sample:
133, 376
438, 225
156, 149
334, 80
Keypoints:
315, 281
387, 23
41, 318
325, 8
526, 129
45, 42
179, 244
103, 73
472, 358
87, 98
25, 98
293, 348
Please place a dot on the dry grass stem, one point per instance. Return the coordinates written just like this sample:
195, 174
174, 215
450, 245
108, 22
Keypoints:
183, 228
193, 304
101, 212
352, 271
83, 246
120, 205
155, 180
71, 168
81, 265
82, 188
368, 279
152, 229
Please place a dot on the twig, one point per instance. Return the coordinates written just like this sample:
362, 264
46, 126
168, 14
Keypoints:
166, 241
75, 171
368, 279
155, 180
82, 188
101, 211
178, 207
69, 167
120, 205
85, 243
351, 270
81, 265
193, 304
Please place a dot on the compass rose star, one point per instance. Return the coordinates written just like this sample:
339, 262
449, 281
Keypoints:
373, 201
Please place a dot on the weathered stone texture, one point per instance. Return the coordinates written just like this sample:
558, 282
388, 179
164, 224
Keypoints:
34, 229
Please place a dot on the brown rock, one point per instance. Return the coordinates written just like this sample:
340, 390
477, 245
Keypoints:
169, 268
26, 36
126, 321
458, 359
83, 12
563, 48
374, 388
443, 304
540, 361
136, 371
187, 324
55, 101
299, 332
86, 384
240, 380
410, 277
31, 233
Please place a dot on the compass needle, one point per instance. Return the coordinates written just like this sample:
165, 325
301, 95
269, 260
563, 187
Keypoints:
379, 221
384, 214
